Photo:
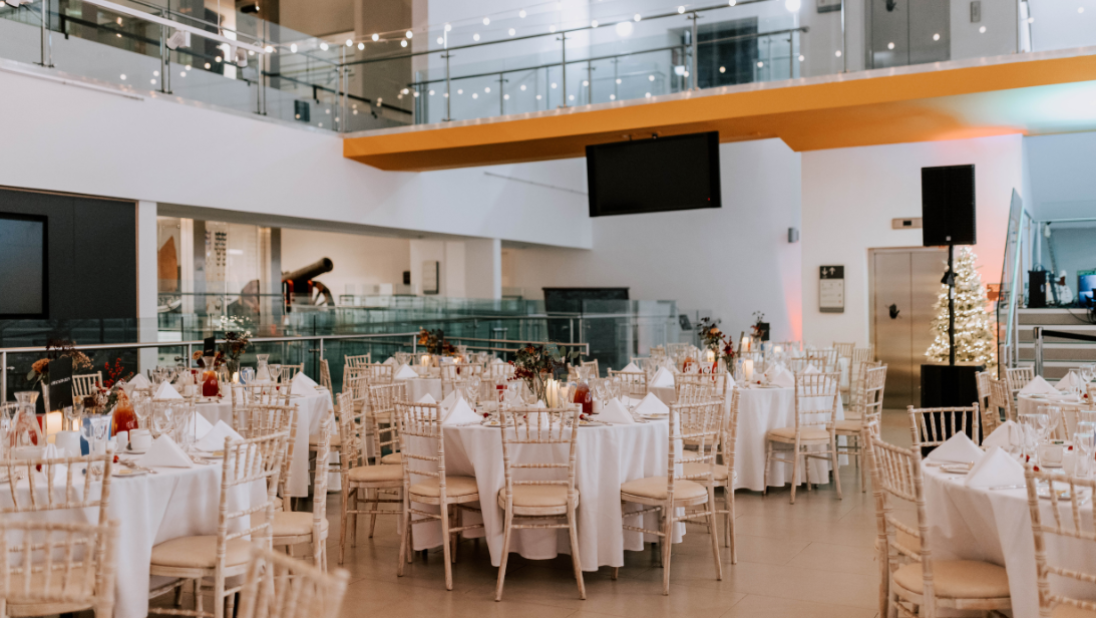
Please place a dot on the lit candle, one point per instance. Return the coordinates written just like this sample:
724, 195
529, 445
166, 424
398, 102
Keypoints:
711, 356
54, 421
425, 360
747, 369
778, 349
745, 344
236, 377
551, 393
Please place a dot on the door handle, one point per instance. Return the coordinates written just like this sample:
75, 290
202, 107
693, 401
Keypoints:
893, 310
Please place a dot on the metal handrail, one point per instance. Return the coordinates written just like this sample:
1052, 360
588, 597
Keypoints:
1038, 334
189, 345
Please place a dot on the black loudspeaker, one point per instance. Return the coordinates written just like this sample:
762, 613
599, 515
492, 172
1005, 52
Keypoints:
1037, 289
944, 386
947, 205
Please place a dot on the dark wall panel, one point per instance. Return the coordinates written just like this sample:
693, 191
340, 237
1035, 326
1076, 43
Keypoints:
92, 264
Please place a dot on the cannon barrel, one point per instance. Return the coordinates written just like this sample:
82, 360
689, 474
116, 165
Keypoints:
311, 271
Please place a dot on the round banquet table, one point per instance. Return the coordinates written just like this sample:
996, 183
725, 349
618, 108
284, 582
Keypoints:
1029, 404
418, 387
311, 412
968, 523
761, 409
606, 457
153, 509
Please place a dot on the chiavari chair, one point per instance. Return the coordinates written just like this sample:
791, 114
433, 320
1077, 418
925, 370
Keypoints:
362, 483
933, 426
702, 385
85, 484
314, 439
360, 360
541, 503
983, 379
290, 371
379, 373
632, 383
813, 428
797, 365
1001, 403
382, 421
1074, 531
49, 567
450, 493
85, 384
723, 474
677, 489
856, 399
499, 371
871, 408
596, 372
267, 393
825, 360
924, 585
263, 420
294, 527
325, 376
844, 350
277, 586
1017, 378
225, 555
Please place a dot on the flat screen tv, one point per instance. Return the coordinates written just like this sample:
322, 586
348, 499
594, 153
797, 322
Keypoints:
22, 266
1086, 287
654, 175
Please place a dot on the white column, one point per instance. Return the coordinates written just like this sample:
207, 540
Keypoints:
147, 282
483, 268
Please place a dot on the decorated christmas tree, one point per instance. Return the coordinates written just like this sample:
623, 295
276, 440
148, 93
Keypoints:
975, 341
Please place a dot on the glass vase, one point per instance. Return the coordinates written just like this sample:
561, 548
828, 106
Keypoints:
262, 374
25, 430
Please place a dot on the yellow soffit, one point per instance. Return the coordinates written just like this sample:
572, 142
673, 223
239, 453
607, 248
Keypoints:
886, 106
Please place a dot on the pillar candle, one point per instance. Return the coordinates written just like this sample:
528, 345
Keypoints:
54, 421
747, 369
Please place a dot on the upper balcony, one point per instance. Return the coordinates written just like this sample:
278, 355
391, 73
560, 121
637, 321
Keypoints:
545, 80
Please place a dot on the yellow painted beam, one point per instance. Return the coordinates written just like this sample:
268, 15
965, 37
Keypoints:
852, 110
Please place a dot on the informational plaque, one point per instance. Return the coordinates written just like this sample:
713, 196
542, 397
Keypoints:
60, 383
831, 289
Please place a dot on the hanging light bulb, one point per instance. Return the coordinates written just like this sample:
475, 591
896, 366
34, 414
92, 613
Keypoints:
376, 37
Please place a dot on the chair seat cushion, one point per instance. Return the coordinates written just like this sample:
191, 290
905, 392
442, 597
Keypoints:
1070, 611
198, 552
957, 579
654, 488
850, 426
297, 523
314, 440
392, 459
537, 496
806, 434
694, 469
75, 587
376, 474
454, 486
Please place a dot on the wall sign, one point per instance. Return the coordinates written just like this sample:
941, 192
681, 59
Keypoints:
831, 289
430, 277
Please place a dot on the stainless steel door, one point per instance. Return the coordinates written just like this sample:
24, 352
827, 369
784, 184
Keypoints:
909, 32
904, 284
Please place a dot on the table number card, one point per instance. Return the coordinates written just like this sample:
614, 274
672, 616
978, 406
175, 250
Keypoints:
831, 289
60, 383
209, 346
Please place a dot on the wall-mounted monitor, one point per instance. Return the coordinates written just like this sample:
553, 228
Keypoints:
654, 175
23, 292
1086, 287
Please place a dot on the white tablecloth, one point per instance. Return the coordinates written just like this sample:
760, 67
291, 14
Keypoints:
311, 412
1026, 404
761, 410
417, 387
606, 457
153, 509
995, 526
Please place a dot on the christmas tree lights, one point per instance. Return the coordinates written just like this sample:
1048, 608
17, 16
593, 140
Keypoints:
975, 340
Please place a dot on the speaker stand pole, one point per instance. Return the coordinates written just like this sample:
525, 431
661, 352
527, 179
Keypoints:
951, 305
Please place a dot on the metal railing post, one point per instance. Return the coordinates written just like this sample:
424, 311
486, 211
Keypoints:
3, 377
563, 66
589, 83
47, 38
693, 65
502, 97
189, 354
1038, 333
844, 45
791, 56
163, 59
414, 344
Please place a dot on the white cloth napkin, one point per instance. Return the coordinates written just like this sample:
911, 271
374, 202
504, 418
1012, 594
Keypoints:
1007, 434
997, 468
167, 391
137, 381
1038, 386
780, 376
631, 367
1070, 382
811, 369
662, 378
200, 426
303, 385
214, 440
461, 414
451, 400
405, 373
427, 399
165, 453
956, 449
391, 360
614, 412
652, 406
496, 361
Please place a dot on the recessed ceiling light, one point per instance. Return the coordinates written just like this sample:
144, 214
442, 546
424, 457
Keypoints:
123, 76
511, 32
293, 47
554, 85
409, 34
722, 69
982, 30
801, 57
619, 80
760, 64
650, 78
593, 24
403, 43
475, 95
837, 53
475, 36
680, 9
637, 17
521, 13
486, 21
349, 42
376, 37
441, 40
612, 97
361, 46
647, 94
487, 90
890, 45
538, 97
505, 97
936, 37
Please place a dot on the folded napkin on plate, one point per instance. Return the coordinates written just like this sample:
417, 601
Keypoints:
428, 399
138, 381
956, 449
391, 360
1007, 434
199, 426
405, 373
1038, 386
461, 414
614, 412
167, 391
165, 453
1070, 382
811, 369
631, 367
214, 440
996, 469
451, 399
780, 376
662, 378
496, 361
303, 385
652, 406
540, 404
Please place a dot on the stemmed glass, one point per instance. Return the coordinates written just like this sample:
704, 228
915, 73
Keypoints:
247, 374
1084, 440
275, 371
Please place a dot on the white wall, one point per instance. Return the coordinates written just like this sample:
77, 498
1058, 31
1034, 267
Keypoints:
162, 151
733, 261
483, 268
359, 260
850, 196
1062, 185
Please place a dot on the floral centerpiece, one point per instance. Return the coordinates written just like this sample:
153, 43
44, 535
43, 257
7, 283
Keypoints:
218, 359
109, 393
233, 347
537, 364
435, 343
716, 341
759, 330
55, 349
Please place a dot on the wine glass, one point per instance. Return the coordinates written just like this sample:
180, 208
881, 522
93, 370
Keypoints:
247, 374
275, 372
1084, 440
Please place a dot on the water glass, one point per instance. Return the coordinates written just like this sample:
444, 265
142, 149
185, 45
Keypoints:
275, 371
1085, 443
247, 375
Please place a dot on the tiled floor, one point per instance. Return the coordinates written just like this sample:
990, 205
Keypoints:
810, 559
